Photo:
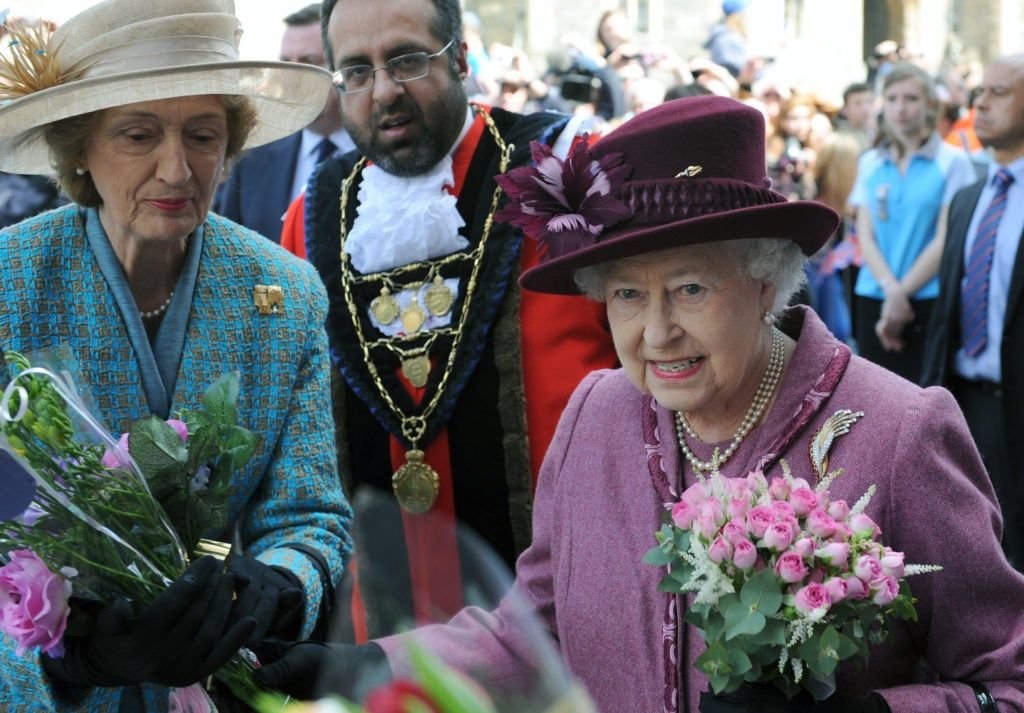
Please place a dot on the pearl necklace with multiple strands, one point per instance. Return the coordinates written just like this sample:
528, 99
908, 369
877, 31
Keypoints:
154, 313
764, 393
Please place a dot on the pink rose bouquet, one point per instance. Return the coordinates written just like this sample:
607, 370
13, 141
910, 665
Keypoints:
87, 518
787, 582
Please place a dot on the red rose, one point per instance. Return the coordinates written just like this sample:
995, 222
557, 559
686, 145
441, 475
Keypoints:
394, 697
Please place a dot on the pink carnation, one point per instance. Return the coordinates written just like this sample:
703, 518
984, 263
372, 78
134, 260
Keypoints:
192, 699
33, 603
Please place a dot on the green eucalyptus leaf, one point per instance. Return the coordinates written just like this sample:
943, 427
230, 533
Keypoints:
762, 593
741, 619
658, 557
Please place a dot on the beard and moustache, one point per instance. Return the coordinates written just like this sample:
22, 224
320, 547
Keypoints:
447, 115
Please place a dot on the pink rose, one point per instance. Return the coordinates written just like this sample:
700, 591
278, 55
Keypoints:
783, 510
892, 563
868, 568
180, 426
820, 524
863, 526
835, 554
738, 507
803, 501
836, 588
116, 457
760, 519
683, 514
842, 533
779, 489
804, 547
744, 554
790, 567
720, 550
709, 518
855, 588
192, 699
734, 531
813, 601
757, 482
33, 603
838, 509
779, 535
884, 590
695, 494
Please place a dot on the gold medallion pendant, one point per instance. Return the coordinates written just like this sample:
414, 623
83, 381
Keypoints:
384, 308
439, 298
413, 317
417, 370
415, 484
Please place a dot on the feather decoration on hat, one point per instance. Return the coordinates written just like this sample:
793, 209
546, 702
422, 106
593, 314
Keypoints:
565, 204
28, 62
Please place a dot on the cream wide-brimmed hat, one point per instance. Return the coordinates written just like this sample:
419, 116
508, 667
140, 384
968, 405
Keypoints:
121, 52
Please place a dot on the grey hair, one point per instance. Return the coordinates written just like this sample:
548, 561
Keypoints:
776, 261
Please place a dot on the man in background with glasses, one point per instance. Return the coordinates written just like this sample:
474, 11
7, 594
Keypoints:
452, 381
268, 178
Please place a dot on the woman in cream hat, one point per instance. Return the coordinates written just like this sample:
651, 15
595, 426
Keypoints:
137, 106
670, 222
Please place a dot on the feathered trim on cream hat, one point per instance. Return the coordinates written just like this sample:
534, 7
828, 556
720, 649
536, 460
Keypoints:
121, 52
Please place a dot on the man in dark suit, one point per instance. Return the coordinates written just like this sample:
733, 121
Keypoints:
977, 329
269, 178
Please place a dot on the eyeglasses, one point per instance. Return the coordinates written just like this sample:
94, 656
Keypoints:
403, 68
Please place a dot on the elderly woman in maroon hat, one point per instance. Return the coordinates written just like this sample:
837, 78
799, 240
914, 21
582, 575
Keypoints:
671, 223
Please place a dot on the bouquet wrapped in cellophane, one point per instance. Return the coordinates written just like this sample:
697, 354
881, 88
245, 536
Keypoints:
787, 582
89, 519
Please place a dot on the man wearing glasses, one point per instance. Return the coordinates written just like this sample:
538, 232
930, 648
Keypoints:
453, 380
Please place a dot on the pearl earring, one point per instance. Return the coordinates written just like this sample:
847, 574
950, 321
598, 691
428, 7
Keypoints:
768, 318
79, 171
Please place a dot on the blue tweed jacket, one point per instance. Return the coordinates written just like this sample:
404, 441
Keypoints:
56, 296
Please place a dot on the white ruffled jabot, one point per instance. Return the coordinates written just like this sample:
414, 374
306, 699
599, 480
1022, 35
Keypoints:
404, 220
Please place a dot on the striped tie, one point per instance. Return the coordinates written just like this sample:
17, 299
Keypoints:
974, 300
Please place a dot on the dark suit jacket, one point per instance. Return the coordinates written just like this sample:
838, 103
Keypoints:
259, 189
944, 329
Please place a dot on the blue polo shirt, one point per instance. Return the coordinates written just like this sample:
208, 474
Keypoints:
905, 208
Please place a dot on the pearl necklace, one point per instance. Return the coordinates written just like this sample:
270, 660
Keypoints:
761, 398
153, 313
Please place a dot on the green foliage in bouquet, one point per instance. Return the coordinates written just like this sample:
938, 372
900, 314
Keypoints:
191, 477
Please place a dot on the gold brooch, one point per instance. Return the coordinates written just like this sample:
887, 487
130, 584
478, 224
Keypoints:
269, 299
690, 172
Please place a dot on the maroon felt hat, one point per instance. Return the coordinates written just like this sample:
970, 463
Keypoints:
688, 171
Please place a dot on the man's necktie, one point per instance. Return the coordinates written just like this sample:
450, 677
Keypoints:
324, 149
974, 300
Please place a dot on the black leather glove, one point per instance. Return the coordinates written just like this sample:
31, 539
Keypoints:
272, 596
309, 669
768, 699
182, 637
